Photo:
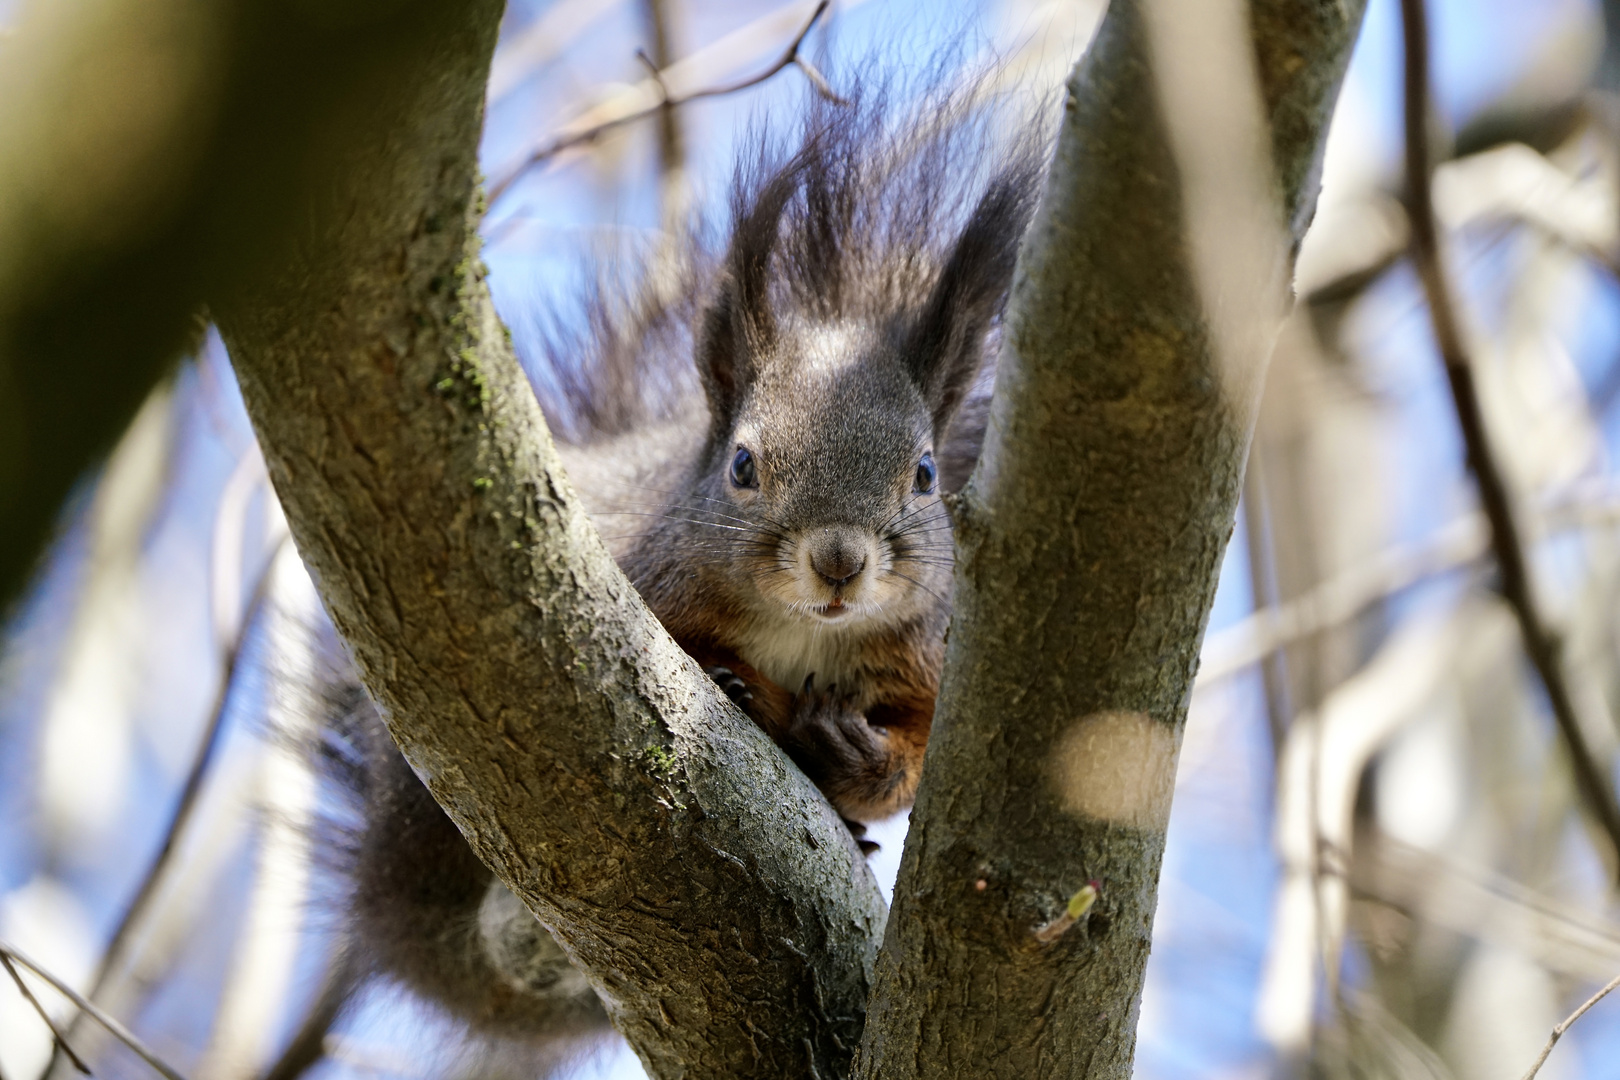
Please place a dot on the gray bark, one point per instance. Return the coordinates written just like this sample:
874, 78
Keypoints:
708, 892
1089, 540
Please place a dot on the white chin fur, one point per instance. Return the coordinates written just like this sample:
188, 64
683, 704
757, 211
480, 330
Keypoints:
794, 634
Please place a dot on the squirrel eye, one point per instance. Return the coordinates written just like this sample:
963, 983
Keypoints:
926, 475
742, 469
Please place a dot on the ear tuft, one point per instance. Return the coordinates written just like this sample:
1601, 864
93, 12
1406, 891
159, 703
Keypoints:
945, 346
737, 326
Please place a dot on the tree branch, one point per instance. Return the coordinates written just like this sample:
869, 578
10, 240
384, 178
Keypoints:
1088, 543
708, 892
1518, 586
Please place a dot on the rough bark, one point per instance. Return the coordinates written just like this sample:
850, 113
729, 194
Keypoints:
1089, 540
705, 888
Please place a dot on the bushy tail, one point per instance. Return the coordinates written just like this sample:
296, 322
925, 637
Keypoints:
419, 910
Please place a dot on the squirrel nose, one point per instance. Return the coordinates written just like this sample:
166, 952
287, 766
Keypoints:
837, 563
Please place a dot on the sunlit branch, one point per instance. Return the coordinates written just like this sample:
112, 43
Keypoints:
1479, 903
1517, 587
554, 30
1262, 577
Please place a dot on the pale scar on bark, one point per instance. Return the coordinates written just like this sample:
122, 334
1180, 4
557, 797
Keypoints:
1118, 767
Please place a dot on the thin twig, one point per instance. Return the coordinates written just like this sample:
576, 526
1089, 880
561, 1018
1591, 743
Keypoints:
118, 1031
1558, 1032
671, 146
655, 75
56, 1033
1517, 586
569, 139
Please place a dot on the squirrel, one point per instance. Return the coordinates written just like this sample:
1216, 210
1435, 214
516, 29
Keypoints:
778, 430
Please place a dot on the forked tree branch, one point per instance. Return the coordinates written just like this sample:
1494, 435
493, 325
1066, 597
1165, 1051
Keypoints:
1517, 584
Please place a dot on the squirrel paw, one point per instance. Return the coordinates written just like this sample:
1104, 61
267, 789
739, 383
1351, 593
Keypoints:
858, 831
734, 687
850, 760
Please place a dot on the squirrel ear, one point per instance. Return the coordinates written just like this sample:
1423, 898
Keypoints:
737, 327
945, 347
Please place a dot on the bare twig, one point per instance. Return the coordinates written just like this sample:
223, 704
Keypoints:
118, 1031
1558, 1032
1480, 903
655, 75
568, 139
56, 1033
672, 185
1517, 586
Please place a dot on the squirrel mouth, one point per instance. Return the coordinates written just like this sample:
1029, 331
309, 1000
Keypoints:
832, 609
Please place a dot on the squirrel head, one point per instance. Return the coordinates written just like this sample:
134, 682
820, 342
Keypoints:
834, 351
829, 457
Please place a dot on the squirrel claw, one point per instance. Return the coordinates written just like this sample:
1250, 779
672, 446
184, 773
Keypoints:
850, 760
858, 831
733, 687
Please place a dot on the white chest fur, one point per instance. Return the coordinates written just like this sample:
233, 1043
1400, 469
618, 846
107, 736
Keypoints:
787, 650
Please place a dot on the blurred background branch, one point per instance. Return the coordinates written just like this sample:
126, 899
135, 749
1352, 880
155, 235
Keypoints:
1518, 587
